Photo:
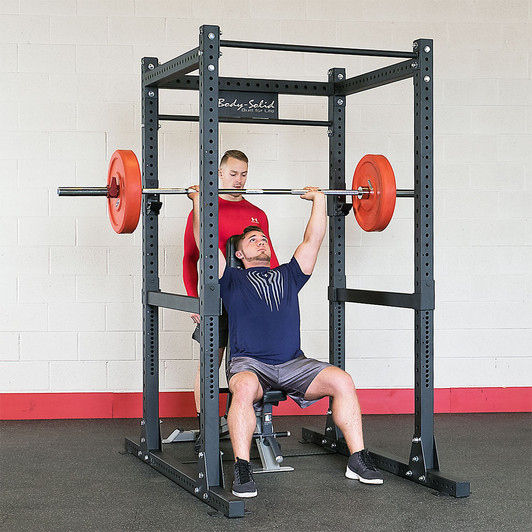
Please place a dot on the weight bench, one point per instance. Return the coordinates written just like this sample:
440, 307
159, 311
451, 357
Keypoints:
266, 438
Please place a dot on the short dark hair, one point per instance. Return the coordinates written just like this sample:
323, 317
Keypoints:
246, 230
234, 154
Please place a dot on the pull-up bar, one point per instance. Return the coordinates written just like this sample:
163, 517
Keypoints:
315, 49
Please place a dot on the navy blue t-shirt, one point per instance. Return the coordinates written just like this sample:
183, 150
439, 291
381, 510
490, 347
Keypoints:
263, 309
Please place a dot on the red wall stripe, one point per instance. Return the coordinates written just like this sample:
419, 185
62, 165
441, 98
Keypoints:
100, 405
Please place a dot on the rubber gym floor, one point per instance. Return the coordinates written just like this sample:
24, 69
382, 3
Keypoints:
65, 475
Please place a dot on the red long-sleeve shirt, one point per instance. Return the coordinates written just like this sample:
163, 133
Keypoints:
233, 218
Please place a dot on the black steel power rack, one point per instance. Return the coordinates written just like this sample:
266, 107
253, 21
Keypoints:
206, 480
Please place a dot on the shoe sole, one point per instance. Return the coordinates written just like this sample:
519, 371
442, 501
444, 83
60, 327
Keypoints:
353, 476
244, 495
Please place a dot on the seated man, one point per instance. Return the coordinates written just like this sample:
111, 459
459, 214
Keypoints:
264, 330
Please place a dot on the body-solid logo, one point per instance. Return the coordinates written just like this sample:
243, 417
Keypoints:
248, 104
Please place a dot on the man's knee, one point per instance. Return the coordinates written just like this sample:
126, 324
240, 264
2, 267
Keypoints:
245, 386
340, 382
349, 386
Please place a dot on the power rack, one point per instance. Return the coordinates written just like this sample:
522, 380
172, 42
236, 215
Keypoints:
206, 480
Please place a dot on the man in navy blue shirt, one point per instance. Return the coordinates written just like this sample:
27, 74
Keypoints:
264, 331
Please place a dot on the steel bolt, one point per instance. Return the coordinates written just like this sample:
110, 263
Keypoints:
324, 441
196, 490
139, 453
329, 412
151, 66
421, 478
142, 440
151, 94
416, 440
211, 36
200, 455
210, 68
205, 496
426, 79
414, 64
409, 473
340, 76
333, 445
340, 101
200, 475
146, 457
329, 429
415, 458
427, 49
200, 52
415, 45
143, 422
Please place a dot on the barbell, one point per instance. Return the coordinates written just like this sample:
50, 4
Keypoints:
373, 191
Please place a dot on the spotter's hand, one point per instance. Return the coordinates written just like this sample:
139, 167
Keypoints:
193, 192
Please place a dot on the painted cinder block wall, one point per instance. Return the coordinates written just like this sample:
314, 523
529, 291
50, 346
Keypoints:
70, 315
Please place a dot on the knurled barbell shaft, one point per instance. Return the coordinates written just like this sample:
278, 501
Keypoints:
102, 191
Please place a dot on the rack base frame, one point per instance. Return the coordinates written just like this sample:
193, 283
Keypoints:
186, 476
431, 478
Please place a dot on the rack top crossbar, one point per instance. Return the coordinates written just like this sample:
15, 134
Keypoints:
315, 49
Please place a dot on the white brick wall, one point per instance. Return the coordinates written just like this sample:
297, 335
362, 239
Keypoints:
70, 314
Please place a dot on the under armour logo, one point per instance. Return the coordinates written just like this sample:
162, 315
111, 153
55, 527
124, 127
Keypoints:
254, 221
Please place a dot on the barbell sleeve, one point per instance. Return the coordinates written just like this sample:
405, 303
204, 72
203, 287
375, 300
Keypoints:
82, 191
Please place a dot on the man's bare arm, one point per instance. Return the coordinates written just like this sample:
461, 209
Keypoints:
193, 194
307, 252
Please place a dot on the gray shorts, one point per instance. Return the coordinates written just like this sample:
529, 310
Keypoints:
292, 377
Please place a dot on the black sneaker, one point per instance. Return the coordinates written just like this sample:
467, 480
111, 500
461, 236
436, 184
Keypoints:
360, 466
244, 485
